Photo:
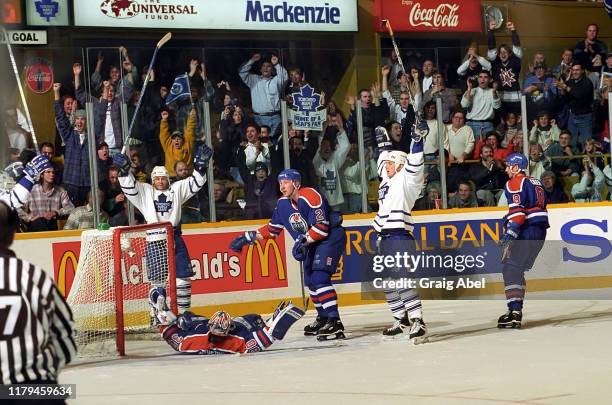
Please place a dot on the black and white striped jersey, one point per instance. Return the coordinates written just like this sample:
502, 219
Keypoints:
36, 326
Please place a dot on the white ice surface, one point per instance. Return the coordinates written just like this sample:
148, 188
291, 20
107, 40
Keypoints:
562, 356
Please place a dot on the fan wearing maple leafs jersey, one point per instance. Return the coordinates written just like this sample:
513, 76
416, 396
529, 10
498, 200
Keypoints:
525, 231
161, 202
506, 68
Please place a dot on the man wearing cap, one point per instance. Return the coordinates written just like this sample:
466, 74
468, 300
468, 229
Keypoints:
540, 91
76, 155
524, 233
319, 242
177, 146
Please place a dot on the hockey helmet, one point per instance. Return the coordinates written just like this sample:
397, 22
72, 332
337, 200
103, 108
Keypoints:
220, 323
396, 156
517, 159
159, 171
290, 174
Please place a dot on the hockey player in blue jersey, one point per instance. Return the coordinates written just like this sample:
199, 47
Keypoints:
319, 242
193, 334
527, 220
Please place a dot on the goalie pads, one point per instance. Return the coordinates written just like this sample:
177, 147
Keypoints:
282, 320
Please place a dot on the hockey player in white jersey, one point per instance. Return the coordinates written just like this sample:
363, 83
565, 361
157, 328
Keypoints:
402, 180
162, 202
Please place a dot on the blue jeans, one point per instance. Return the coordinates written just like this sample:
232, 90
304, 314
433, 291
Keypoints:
273, 121
581, 127
477, 126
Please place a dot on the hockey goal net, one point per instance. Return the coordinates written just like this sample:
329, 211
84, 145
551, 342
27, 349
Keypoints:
109, 296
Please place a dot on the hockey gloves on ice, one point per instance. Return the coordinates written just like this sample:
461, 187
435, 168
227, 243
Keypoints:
201, 158
123, 163
248, 238
300, 249
36, 167
382, 138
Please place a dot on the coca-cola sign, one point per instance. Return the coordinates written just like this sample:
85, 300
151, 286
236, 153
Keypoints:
39, 75
429, 15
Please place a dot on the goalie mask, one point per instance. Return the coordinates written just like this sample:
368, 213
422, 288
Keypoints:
220, 323
160, 171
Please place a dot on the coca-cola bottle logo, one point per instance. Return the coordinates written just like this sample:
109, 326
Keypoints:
444, 15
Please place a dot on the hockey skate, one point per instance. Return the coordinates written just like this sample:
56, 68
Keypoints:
160, 313
510, 320
398, 327
313, 328
418, 331
332, 330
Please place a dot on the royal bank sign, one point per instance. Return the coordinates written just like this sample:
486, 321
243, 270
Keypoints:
261, 15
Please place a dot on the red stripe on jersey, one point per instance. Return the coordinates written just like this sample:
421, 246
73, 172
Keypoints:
201, 342
316, 236
268, 231
311, 196
515, 184
322, 227
329, 295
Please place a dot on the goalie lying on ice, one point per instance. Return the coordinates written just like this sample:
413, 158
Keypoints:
189, 333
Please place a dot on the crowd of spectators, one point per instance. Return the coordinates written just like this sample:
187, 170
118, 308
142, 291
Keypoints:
566, 116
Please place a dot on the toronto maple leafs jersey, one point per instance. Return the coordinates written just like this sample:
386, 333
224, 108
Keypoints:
526, 203
18, 195
161, 206
397, 195
310, 216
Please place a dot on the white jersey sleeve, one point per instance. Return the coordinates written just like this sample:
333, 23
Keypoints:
161, 205
18, 195
397, 195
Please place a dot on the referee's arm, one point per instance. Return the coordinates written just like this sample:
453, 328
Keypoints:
62, 329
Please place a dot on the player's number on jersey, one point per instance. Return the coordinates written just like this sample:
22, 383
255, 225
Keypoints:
11, 314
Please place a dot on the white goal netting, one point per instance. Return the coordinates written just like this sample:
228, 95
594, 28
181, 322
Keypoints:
132, 258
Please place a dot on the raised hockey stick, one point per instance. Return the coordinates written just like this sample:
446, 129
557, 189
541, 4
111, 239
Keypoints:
21, 92
417, 118
161, 43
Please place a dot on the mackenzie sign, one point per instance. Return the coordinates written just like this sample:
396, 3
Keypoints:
287, 15
429, 15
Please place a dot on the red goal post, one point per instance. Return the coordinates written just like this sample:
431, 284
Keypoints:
110, 293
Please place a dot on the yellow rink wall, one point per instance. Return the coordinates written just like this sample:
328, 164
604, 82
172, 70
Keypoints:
240, 291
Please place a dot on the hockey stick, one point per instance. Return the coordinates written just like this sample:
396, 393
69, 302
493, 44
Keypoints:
304, 301
21, 92
417, 117
161, 43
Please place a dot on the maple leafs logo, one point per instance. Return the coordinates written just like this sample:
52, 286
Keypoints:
162, 205
306, 100
47, 9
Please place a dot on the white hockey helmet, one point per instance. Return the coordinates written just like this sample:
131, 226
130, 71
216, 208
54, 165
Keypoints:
159, 171
396, 156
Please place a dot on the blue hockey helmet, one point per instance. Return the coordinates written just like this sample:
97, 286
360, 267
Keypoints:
290, 174
517, 159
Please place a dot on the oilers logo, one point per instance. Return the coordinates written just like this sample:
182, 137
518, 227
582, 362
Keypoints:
297, 223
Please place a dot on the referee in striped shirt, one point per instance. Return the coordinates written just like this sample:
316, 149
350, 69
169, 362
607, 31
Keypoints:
36, 326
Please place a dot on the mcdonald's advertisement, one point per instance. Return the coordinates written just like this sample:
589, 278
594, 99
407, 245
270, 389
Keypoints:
217, 268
